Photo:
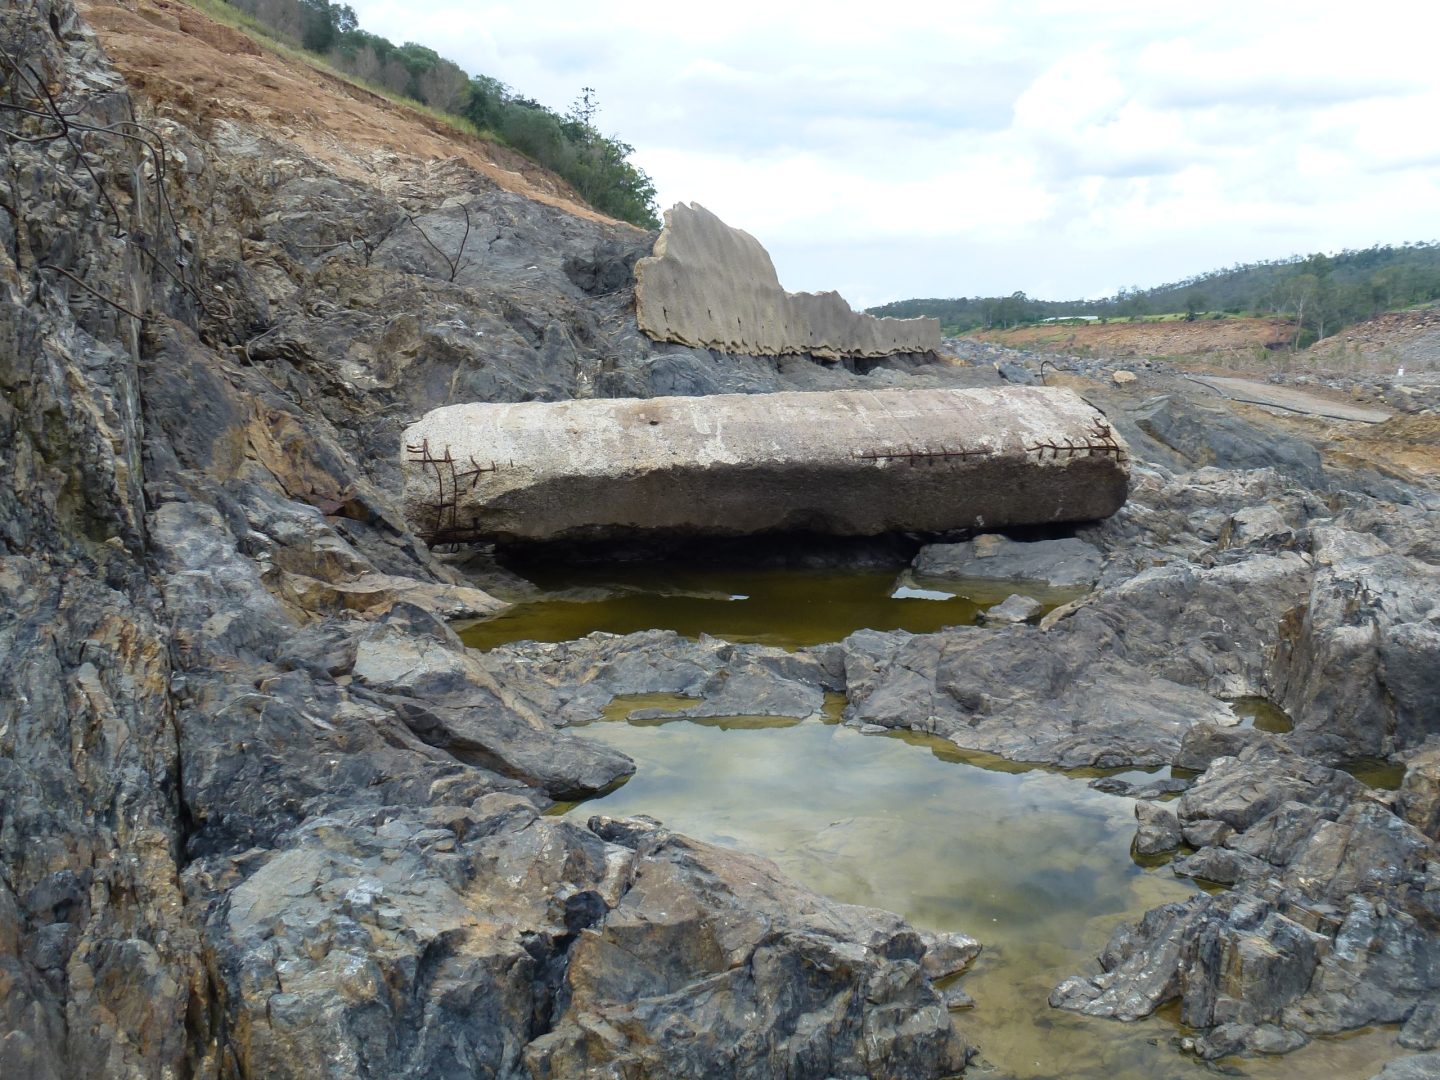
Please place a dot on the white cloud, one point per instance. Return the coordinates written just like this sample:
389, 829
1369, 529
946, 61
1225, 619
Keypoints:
921, 148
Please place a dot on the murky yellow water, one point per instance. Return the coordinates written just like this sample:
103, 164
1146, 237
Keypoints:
784, 607
1032, 862
1378, 772
1262, 714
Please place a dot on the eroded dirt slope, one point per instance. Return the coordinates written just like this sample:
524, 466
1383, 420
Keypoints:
188, 65
1401, 338
1127, 339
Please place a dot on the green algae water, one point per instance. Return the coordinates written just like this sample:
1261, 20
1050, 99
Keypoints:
785, 607
1261, 714
1377, 772
1034, 863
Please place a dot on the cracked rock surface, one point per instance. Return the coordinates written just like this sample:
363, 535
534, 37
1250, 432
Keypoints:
261, 814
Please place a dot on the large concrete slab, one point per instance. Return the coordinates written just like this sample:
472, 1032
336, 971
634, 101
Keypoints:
713, 287
850, 462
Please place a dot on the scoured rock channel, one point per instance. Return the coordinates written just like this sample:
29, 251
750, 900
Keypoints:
263, 814
1038, 863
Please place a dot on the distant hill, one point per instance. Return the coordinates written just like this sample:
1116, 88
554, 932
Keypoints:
1319, 293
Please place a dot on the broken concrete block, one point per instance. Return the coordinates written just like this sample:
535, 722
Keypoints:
713, 287
847, 462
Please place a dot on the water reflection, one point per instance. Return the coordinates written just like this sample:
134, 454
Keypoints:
1034, 863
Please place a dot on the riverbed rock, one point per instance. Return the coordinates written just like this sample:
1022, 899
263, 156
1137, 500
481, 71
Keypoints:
1121, 680
1415, 1067
572, 682
1422, 1030
1358, 667
1242, 790
1063, 563
736, 937
472, 930
1419, 798
1215, 436
1257, 527
1323, 931
264, 815
1013, 609
1205, 742
1159, 829
243, 763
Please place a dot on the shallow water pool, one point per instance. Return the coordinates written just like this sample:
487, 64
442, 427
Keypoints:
785, 607
1034, 863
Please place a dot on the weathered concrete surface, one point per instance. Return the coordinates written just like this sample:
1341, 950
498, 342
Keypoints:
846, 462
713, 287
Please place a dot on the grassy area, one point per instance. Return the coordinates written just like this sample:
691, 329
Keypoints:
263, 36
1179, 316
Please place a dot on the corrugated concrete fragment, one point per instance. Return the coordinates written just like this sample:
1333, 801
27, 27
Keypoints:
848, 462
713, 287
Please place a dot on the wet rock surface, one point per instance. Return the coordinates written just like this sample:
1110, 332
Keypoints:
261, 814
1056, 563
1328, 926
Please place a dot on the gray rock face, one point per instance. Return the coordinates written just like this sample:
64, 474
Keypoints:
1417, 1067
1159, 829
1326, 929
1013, 609
1360, 661
1258, 526
1121, 680
1055, 563
725, 940
1217, 437
487, 938
262, 814
1419, 799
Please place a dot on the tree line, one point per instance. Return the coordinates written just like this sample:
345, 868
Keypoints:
1321, 294
597, 166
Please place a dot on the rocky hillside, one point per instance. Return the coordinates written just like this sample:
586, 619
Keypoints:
1397, 339
261, 815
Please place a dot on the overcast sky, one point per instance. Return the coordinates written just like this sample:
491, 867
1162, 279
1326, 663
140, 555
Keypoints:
900, 149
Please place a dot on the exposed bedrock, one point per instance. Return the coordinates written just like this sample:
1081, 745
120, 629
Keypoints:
713, 287
258, 808
844, 462
1329, 924
486, 940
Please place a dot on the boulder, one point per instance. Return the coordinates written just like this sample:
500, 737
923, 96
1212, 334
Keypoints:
1013, 609
1062, 563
